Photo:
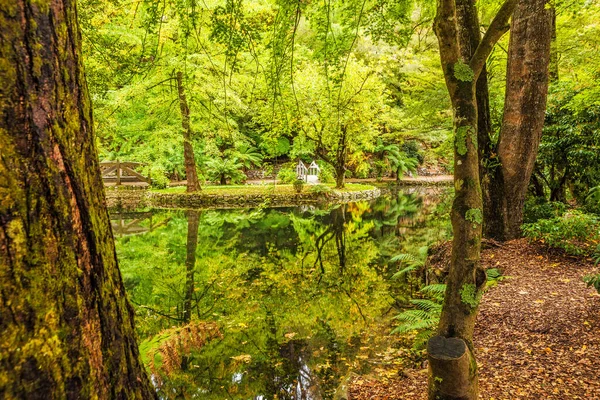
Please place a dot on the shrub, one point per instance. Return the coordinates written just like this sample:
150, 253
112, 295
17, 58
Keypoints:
287, 175
575, 232
593, 281
158, 176
538, 208
412, 150
327, 174
320, 189
298, 185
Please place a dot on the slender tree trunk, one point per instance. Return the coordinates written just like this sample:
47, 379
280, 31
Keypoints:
67, 327
193, 218
188, 150
340, 173
553, 67
340, 159
523, 120
453, 369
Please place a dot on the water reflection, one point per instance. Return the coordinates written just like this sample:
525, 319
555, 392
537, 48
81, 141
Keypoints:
293, 293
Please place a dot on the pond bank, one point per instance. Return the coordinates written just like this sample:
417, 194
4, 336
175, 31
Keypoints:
536, 333
235, 197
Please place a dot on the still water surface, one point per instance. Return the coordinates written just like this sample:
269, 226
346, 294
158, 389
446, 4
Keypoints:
270, 303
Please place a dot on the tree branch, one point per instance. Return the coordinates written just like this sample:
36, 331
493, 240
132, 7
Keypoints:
498, 27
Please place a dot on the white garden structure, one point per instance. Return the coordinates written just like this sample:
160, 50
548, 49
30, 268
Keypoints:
310, 174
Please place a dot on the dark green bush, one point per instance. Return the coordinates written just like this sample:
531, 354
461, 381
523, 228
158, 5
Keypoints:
538, 208
575, 232
298, 185
412, 150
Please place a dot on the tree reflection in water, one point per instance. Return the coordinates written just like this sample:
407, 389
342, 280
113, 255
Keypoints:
294, 292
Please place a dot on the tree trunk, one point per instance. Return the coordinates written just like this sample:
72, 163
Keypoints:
553, 67
193, 218
523, 119
67, 327
340, 172
462, 63
188, 150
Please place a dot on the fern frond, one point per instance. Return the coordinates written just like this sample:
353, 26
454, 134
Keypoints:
413, 316
404, 271
404, 257
436, 290
415, 326
427, 305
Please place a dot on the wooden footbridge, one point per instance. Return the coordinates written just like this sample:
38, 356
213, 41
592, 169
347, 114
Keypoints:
134, 223
116, 173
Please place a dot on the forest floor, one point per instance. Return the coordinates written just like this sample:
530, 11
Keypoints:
537, 334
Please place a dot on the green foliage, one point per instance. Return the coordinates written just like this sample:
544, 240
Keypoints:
423, 318
407, 262
319, 188
463, 72
575, 232
224, 169
470, 296
326, 175
537, 208
593, 281
474, 215
299, 185
247, 155
287, 174
412, 150
568, 157
592, 200
460, 139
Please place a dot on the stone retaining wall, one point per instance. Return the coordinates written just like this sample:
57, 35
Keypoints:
129, 199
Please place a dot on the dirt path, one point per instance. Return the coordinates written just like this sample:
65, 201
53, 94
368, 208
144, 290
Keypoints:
537, 335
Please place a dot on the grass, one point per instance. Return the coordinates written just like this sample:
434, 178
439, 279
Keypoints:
236, 190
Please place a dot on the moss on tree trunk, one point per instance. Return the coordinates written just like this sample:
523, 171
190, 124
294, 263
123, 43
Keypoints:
67, 327
463, 63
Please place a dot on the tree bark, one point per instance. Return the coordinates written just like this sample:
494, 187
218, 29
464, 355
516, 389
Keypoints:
523, 119
193, 185
67, 327
553, 67
462, 64
340, 159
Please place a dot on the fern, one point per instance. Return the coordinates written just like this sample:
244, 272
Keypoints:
427, 305
405, 257
436, 291
411, 262
424, 317
404, 271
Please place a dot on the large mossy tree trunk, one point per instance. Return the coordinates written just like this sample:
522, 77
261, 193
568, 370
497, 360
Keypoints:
523, 119
66, 325
453, 369
193, 185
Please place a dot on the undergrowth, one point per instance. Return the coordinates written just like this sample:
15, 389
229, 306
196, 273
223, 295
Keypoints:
423, 313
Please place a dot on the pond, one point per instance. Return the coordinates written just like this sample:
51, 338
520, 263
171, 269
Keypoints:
268, 303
